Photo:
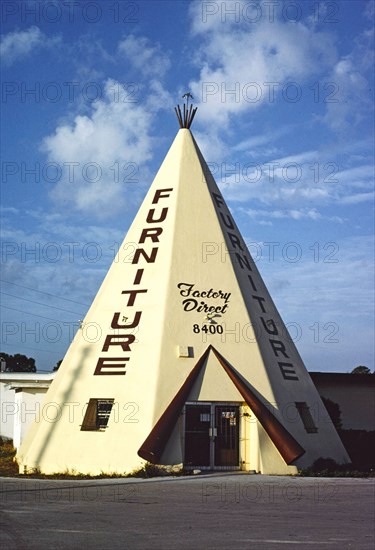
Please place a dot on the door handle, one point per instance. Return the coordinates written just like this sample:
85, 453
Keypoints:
212, 432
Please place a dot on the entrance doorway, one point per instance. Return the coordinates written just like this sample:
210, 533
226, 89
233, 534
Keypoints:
212, 436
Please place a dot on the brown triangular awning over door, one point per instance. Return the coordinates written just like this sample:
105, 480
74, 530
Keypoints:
152, 448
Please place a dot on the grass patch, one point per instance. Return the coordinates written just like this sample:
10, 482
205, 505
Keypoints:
327, 467
149, 470
8, 466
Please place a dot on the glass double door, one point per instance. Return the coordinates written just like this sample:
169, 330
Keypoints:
212, 436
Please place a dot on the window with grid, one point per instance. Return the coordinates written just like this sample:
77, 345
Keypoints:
97, 414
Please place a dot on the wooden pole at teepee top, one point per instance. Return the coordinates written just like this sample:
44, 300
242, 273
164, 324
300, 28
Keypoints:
185, 120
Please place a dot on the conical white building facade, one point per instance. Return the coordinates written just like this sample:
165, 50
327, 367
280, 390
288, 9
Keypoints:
182, 356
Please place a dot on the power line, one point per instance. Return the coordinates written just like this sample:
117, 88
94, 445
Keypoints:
33, 314
40, 303
42, 292
27, 347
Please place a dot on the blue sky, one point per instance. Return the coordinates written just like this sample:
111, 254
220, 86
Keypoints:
285, 120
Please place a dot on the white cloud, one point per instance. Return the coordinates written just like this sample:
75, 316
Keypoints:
262, 139
19, 44
213, 148
246, 59
331, 302
9, 210
352, 101
287, 180
148, 59
159, 98
362, 173
358, 198
294, 214
369, 10
60, 266
296, 181
110, 147
70, 256
339, 270
236, 60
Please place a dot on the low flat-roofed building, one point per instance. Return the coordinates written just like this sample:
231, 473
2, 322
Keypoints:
355, 395
21, 397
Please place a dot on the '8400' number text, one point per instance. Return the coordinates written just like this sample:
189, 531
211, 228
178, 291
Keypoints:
211, 329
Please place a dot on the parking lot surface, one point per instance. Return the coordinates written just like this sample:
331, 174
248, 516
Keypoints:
216, 511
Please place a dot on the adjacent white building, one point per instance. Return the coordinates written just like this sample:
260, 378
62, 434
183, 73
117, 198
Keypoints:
21, 398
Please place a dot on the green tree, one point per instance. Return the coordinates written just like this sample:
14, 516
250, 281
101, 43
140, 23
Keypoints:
361, 369
334, 412
57, 366
18, 363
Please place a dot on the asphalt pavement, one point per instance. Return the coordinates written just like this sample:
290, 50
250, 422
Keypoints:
215, 511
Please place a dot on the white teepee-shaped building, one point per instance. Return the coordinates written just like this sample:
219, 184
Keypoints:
191, 362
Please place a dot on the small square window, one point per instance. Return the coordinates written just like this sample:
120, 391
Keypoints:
97, 414
306, 417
